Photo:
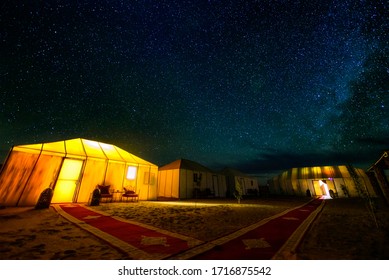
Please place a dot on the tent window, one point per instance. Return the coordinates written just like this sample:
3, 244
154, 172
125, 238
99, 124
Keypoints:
149, 178
131, 172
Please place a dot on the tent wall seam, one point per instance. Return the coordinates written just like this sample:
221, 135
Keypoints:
29, 176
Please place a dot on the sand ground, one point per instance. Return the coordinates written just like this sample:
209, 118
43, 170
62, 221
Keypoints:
347, 230
343, 230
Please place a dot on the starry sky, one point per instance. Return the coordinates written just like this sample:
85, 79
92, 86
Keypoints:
261, 86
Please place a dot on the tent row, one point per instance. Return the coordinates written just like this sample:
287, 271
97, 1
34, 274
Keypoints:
74, 168
183, 179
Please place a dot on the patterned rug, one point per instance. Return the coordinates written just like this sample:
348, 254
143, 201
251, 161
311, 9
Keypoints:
274, 238
139, 241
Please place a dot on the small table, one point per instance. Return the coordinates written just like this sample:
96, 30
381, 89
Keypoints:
117, 196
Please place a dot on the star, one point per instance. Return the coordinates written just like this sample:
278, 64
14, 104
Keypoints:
260, 87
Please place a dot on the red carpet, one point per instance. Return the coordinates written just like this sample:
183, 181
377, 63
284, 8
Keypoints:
147, 240
257, 242
263, 242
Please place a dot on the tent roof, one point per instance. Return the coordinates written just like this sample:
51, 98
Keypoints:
382, 162
315, 172
83, 148
185, 164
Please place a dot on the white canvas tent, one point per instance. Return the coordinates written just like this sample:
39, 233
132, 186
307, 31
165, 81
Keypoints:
72, 168
248, 183
182, 179
341, 181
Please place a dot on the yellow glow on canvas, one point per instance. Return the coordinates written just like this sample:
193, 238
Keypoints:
67, 181
131, 172
328, 171
64, 191
75, 147
93, 149
106, 147
316, 171
70, 169
92, 144
304, 172
56, 147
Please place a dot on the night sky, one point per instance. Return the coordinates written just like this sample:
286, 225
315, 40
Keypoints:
261, 86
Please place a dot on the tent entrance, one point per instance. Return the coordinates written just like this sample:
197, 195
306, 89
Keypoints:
321, 188
319, 191
68, 180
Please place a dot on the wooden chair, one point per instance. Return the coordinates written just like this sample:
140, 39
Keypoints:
130, 194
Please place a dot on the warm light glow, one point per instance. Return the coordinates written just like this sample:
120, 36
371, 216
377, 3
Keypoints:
92, 144
325, 186
106, 147
131, 172
67, 181
70, 169
64, 192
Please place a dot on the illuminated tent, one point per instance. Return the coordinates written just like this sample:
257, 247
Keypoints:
72, 168
184, 179
248, 183
339, 181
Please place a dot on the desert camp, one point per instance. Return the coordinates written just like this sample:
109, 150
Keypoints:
72, 169
75, 168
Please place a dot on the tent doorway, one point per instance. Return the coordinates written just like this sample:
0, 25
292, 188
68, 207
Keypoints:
68, 180
321, 188
319, 191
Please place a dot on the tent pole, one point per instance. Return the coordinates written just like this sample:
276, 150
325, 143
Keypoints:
124, 175
137, 181
148, 185
106, 170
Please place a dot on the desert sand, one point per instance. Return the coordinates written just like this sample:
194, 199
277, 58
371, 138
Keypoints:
343, 230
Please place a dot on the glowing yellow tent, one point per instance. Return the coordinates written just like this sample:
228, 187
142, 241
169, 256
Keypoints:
338, 181
72, 168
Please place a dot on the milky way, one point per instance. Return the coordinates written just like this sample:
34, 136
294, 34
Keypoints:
261, 86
